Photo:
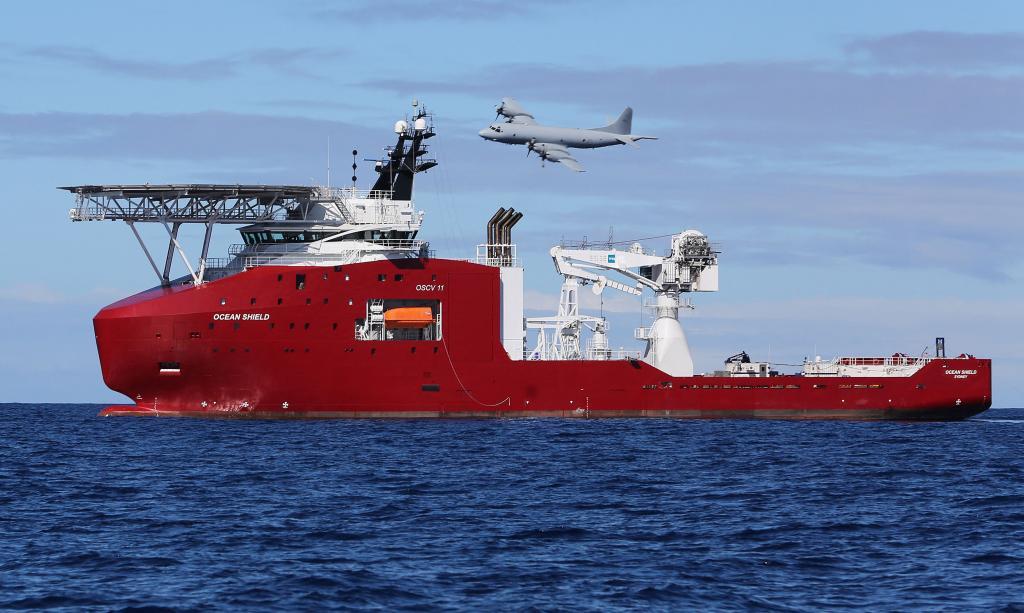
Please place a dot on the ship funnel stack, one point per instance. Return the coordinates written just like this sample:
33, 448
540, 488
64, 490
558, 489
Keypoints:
500, 252
492, 226
500, 249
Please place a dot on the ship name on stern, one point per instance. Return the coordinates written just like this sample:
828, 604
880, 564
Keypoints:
961, 374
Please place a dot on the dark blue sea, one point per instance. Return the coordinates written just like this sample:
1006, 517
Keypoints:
548, 514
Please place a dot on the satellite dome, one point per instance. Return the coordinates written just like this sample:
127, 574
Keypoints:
401, 126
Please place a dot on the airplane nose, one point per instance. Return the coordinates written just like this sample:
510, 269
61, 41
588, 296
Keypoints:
483, 133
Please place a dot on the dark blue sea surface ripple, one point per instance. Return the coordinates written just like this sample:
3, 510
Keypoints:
509, 514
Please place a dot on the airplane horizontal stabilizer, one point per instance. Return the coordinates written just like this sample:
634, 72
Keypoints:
629, 139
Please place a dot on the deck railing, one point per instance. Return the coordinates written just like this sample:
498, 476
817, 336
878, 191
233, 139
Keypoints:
895, 360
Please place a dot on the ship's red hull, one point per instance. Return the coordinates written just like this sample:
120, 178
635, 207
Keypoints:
258, 344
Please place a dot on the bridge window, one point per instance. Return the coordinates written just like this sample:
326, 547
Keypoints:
259, 238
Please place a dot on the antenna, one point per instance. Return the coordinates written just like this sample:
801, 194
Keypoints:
328, 162
354, 154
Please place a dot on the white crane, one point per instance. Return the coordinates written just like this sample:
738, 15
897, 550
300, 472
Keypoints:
690, 266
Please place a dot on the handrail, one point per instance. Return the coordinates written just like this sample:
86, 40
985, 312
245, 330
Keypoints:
314, 259
904, 360
348, 243
346, 193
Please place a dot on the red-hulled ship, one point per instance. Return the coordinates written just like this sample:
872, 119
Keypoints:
333, 307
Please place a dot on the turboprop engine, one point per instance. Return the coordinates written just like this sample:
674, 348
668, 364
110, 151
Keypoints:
547, 151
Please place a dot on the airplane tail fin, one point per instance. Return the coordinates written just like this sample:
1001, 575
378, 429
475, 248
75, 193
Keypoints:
622, 125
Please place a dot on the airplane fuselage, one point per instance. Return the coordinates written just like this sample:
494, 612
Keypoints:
521, 134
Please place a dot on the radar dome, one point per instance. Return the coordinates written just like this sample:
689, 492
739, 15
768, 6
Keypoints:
420, 124
401, 126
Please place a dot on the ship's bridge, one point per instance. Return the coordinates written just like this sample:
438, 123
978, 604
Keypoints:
282, 224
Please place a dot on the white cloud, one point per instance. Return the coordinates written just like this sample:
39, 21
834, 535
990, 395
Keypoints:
32, 293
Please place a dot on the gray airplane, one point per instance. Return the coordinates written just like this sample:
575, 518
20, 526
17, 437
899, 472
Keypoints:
552, 143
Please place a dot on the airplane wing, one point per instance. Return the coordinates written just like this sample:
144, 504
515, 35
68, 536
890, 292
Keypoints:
551, 152
571, 164
515, 112
525, 120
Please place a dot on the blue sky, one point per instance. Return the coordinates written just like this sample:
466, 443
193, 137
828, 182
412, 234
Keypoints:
860, 163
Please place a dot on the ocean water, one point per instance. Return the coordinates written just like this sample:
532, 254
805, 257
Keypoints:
113, 513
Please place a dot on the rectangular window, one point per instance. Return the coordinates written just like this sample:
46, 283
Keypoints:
300, 281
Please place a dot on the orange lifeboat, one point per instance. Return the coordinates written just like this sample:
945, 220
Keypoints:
408, 317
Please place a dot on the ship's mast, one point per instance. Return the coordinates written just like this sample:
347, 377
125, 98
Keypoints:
398, 169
